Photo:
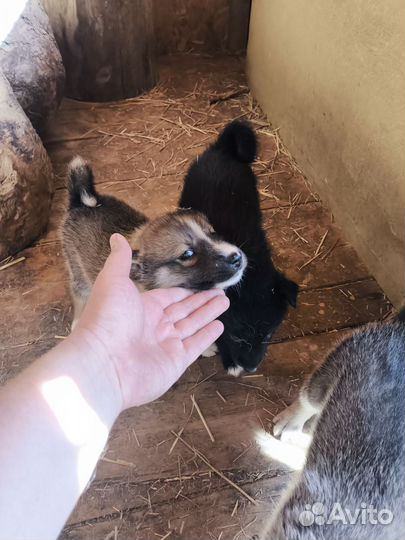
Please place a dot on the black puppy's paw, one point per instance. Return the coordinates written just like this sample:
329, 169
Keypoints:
235, 371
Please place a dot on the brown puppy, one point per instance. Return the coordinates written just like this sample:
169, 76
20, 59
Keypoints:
179, 249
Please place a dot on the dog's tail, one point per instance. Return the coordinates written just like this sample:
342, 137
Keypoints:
239, 140
81, 184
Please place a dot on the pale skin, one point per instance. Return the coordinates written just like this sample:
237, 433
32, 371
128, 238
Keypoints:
127, 350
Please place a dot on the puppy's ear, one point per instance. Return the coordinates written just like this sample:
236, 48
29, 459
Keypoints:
135, 238
288, 289
136, 267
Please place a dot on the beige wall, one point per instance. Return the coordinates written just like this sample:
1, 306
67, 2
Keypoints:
331, 76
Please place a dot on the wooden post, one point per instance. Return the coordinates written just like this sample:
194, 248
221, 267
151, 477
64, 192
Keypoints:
26, 179
239, 16
107, 47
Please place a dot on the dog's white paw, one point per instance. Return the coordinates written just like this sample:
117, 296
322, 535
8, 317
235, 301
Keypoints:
235, 371
295, 437
211, 351
284, 421
289, 424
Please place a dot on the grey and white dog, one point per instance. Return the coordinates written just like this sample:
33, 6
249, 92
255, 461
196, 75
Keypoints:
352, 484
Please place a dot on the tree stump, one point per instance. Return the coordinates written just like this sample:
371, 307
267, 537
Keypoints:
26, 178
107, 47
30, 59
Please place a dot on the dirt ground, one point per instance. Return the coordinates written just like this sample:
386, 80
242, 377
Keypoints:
149, 484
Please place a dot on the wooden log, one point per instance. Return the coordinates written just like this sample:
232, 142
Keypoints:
26, 178
239, 15
107, 47
30, 59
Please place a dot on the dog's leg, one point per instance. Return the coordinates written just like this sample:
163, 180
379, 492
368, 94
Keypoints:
229, 365
231, 369
235, 371
292, 420
211, 351
80, 294
310, 402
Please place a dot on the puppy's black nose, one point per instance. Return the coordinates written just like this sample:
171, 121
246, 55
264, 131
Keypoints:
235, 260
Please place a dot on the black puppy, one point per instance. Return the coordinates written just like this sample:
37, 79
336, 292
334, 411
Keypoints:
221, 184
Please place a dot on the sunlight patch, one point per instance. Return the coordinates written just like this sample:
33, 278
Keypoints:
78, 421
284, 452
10, 13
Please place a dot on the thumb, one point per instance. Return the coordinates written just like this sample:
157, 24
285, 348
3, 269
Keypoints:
119, 261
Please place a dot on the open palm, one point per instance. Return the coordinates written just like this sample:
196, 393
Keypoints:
151, 337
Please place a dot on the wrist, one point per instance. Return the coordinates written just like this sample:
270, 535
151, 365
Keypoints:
99, 372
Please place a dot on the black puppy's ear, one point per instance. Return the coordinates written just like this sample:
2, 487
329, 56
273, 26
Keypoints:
136, 267
288, 289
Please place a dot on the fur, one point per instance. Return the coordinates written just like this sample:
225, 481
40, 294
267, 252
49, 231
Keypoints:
221, 184
357, 454
161, 247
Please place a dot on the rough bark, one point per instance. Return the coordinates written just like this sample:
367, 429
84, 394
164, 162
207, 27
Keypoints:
31, 61
26, 178
239, 15
108, 47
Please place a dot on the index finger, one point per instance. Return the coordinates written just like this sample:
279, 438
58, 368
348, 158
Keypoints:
180, 310
201, 340
167, 297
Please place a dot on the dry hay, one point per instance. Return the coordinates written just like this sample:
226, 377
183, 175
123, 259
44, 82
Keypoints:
191, 122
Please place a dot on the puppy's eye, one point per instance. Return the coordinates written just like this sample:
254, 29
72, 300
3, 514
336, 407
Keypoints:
187, 255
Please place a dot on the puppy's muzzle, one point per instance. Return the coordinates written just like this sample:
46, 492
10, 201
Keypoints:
235, 260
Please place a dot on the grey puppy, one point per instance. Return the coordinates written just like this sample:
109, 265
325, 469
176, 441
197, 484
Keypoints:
354, 469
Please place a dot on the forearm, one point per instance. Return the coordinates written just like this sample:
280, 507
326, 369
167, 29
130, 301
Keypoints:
54, 422
55, 416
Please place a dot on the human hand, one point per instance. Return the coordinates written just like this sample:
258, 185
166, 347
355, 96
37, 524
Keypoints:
150, 338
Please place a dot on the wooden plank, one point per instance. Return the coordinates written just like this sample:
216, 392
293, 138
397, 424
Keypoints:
143, 116
335, 307
294, 238
120, 487
146, 194
203, 505
45, 310
310, 221
138, 162
157, 146
143, 436
183, 88
295, 233
43, 265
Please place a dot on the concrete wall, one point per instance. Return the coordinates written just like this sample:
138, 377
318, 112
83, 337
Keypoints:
331, 76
